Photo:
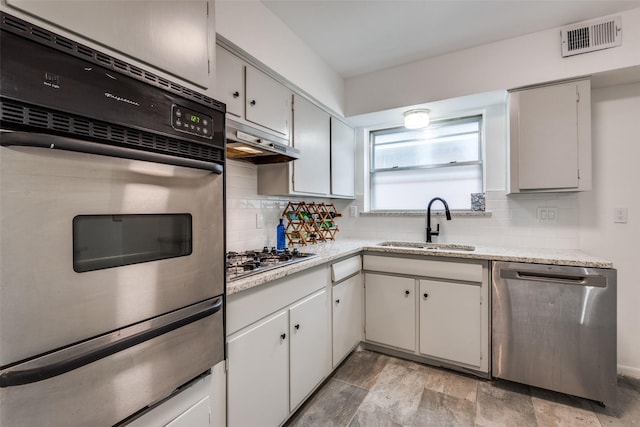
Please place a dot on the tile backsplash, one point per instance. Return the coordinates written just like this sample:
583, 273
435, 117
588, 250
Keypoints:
514, 219
251, 218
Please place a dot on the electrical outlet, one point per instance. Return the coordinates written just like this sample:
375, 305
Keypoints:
547, 214
259, 220
353, 211
620, 215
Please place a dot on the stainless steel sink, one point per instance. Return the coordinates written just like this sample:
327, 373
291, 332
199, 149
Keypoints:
430, 246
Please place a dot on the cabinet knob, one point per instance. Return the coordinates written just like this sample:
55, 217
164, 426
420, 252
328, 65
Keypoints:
425, 295
337, 301
297, 326
236, 94
407, 292
253, 102
283, 336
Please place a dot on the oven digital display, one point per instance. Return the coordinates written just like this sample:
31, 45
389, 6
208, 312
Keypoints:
186, 120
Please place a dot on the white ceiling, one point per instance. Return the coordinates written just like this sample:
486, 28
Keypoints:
360, 36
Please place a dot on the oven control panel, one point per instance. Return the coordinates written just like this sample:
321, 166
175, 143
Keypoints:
189, 121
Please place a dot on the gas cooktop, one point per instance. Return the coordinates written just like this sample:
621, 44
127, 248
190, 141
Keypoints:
243, 264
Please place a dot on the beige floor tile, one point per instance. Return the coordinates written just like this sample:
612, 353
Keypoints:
395, 397
361, 368
504, 404
556, 409
438, 409
626, 412
334, 404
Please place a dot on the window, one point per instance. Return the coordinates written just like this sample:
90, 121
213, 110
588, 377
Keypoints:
411, 166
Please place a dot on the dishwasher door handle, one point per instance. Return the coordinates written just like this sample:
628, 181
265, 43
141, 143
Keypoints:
560, 279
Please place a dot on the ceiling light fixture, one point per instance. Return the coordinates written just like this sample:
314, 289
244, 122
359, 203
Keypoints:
416, 119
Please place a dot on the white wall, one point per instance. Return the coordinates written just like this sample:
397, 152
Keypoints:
255, 29
506, 64
616, 176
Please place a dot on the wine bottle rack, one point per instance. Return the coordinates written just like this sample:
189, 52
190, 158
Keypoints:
309, 223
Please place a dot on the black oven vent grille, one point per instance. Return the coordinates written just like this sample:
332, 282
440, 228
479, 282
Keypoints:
32, 32
17, 116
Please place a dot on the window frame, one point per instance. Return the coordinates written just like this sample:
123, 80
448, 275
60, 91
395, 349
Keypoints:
478, 117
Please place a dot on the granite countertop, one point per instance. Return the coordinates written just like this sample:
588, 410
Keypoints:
331, 251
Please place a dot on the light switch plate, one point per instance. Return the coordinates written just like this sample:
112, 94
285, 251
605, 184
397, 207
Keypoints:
259, 220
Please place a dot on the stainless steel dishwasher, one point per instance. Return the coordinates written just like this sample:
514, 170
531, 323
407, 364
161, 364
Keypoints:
554, 327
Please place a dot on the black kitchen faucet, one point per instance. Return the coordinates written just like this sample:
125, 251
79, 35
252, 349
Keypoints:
446, 212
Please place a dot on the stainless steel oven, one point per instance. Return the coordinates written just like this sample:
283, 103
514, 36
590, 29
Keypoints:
111, 233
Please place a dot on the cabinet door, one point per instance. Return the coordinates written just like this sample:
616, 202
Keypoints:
268, 103
229, 81
342, 159
172, 36
390, 308
347, 316
258, 379
550, 137
310, 347
450, 321
311, 135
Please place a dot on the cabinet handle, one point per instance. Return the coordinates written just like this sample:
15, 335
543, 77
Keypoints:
426, 296
407, 292
283, 336
236, 94
297, 326
337, 301
253, 102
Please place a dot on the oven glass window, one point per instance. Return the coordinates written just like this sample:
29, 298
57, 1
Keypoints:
105, 241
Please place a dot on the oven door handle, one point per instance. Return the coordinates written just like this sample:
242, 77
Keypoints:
27, 373
41, 140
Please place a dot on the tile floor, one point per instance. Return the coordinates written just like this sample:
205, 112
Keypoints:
370, 389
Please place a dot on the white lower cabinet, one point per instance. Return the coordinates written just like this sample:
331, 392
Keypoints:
258, 377
390, 311
347, 316
279, 349
450, 321
310, 359
445, 320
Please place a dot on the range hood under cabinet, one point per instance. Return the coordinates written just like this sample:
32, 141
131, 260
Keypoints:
255, 146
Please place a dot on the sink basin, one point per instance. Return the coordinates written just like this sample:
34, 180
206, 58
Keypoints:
430, 246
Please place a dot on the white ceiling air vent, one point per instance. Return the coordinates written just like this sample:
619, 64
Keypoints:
593, 35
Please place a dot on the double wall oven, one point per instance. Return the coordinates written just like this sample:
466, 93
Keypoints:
111, 233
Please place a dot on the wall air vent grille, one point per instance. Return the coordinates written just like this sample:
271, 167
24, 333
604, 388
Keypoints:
18, 116
592, 35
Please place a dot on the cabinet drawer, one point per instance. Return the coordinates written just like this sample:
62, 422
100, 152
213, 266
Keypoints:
249, 306
343, 269
424, 268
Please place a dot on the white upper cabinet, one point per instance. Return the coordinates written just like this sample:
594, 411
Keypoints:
342, 159
230, 81
550, 138
253, 98
177, 38
267, 102
326, 167
311, 136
